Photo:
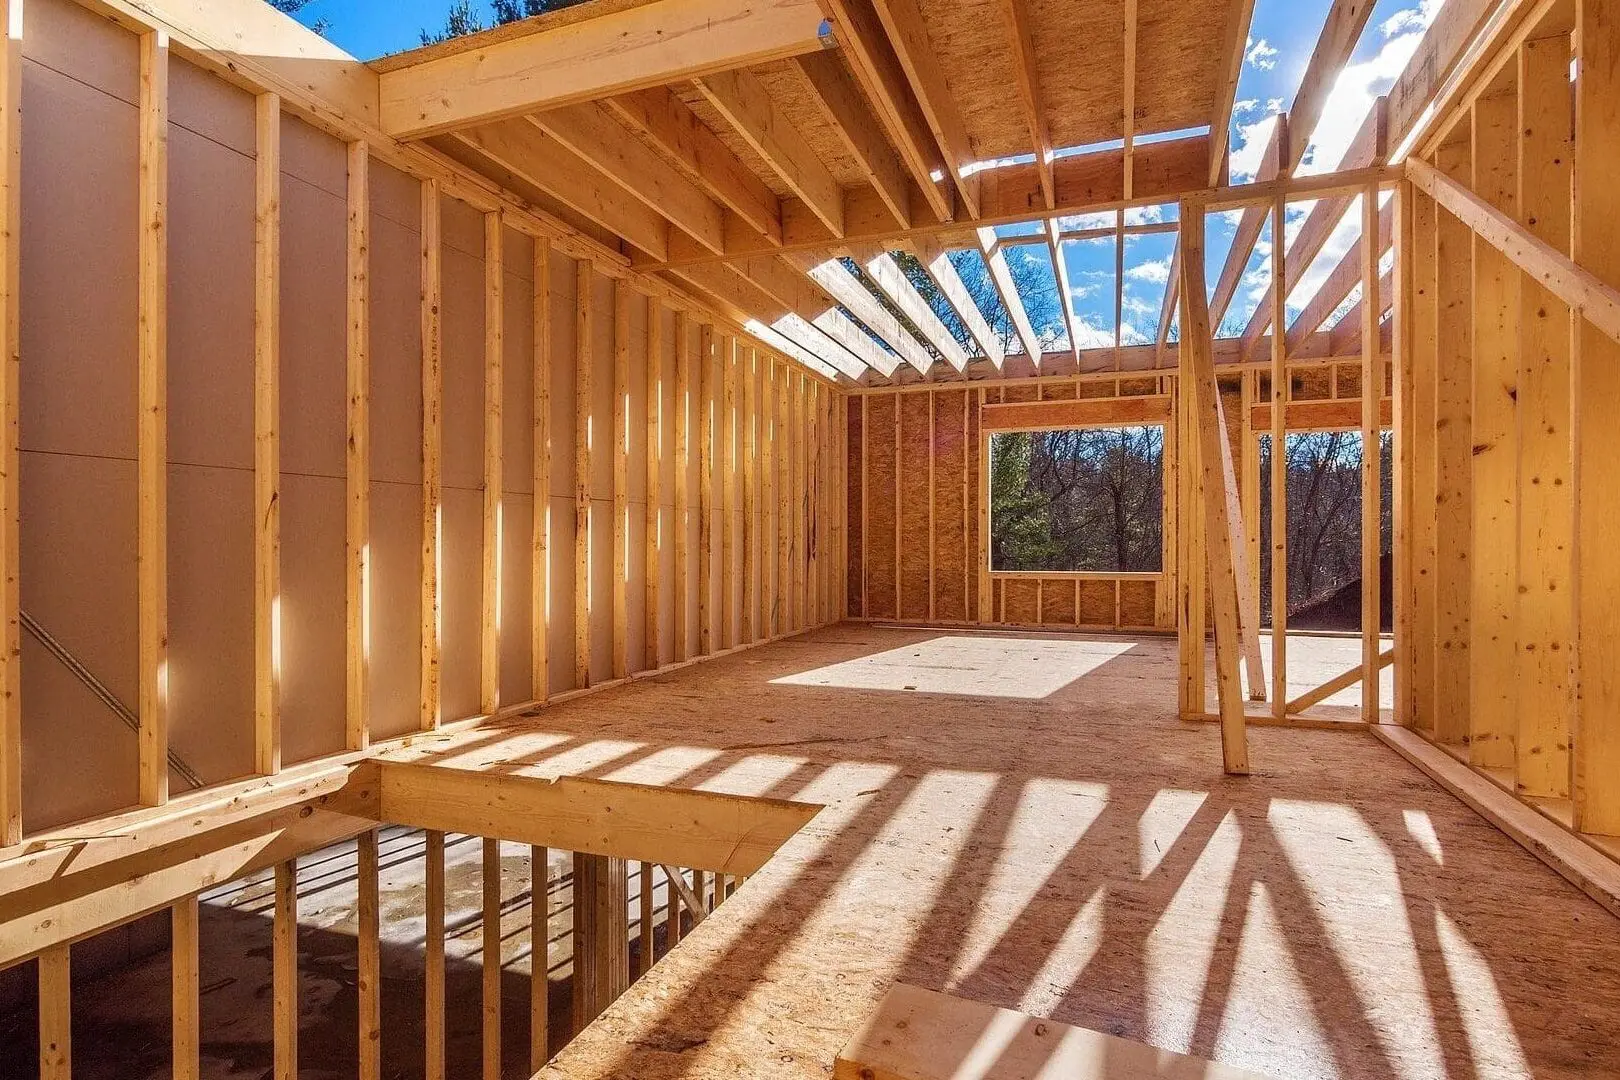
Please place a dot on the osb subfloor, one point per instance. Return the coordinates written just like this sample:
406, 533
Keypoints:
1022, 821
1017, 819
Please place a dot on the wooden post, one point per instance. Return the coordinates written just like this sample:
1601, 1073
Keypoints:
368, 970
726, 462
672, 907
432, 427
1372, 393
1237, 543
357, 452
1421, 263
621, 479
1453, 450
540, 567
1401, 467
433, 961
654, 543
1279, 463
784, 502
491, 958
185, 990
11, 63
1597, 427
1545, 706
706, 456
489, 653
644, 959
1198, 373
584, 287
284, 973
770, 523
267, 436
601, 934
750, 502
1493, 632
152, 453
56, 1014
539, 957
683, 464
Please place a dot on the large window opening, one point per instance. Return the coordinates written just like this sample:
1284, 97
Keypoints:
1324, 530
1078, 500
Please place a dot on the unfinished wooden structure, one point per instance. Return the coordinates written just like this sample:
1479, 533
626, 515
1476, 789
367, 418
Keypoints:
359, 419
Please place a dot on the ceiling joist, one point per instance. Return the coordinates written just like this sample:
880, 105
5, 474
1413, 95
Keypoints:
884, 272
937, 262
842, 106
1015, 13
844, 287
1339, 283
1001, 276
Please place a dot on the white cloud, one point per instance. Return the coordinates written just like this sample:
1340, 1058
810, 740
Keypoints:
1080, 292
1155, 270
1245, 106
1260, 55
1250, 148
1418, 18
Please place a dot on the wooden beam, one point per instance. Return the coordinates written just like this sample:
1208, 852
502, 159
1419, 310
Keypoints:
1129, 17
742, 99
152, 454
1198, 374
908, 35
601, 934
357, 452
833, 276
1338, 285
591, 131
749, 452
11, 64
1001, 276
1346, 19
621, 479
490, 957
683, 466
886, 274
542, 160
185, 993
665, 119
1279, 465
937, 262
1597, 432
706, 406
1342, 681
584, 304
368, 966
1239, 14
539, 957
56, 1015
432, 434
1372, 392
433, 986
1248, 596
1250, 223
284, 973
1065, 287
654, 523
646, 945
494, 396
540, 551
646, 45
1026, 72
1441, 49
842, 106
1067, 413
267, 435
726, 503
1544, 709
877, 68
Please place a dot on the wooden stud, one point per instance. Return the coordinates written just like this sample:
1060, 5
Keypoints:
621, 480
584, 303
267, 436
706, 457
185, 991
1372, 387
433, 963
750, 497
683, 464
1597, 427
11, 64
432, 435
784, 507
644, 959
1279, 466
933, 444
726, 463
491, 958
1198, 367
601, 934
494, 395
56, 1014
654, 543
152, 464
357, 453
1493, 451
284, 973
368, 968
1544, 709
672, 906
539, 957
540, 554
801, 501
1418, 262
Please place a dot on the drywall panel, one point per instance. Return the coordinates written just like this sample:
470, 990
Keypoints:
516, 622
210, 108
313, 620
314, 157
313, 311
460, 607
91, 50
396, 625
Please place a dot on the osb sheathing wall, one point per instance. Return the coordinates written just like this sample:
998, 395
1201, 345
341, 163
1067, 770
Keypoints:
78, 439
914, 513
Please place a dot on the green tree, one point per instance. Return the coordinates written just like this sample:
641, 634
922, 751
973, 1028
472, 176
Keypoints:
1020, 513
293, 7
463, 19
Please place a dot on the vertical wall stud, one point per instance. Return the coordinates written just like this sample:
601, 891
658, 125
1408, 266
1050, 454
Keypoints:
621, 479
55, 1014
432, 434
267, 436
1372, 394
1279, 465
185, 989
654, 540
489, 653
726, 462
357, 453
152, 464
540, 569
368, 972
750, 500
539, 957
491, 949
784, 506
11, 62
584, 296
647, 946
683, 462
433, 961
706, 456
284, 973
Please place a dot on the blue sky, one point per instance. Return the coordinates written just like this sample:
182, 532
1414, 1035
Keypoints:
1282, 35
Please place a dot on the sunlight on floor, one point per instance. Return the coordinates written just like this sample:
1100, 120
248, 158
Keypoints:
963, 664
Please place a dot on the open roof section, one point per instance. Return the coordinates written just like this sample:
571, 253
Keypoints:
777, 139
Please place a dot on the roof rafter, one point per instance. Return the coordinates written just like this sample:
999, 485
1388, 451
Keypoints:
936, 260
647, 45
1000, 276
743, 100
752, 308
1250, 224
842, 106
1015, 13
843, 286
1346, 333
1065, 288
1172, 289
675, 128
592, 132
885, 273
1220, 121
807, 299
1128, 88
1339, 283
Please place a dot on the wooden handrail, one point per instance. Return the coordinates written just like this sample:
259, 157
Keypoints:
1586, 294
